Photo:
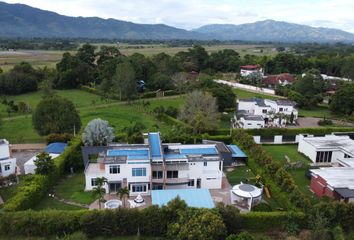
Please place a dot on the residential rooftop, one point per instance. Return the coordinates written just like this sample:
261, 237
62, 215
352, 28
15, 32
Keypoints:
336, 177
332, 141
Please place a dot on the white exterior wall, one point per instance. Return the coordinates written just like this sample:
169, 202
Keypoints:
246, 106
259, 111
210, 175
8, 167
307, 149
246, 72
4, 151
247, 124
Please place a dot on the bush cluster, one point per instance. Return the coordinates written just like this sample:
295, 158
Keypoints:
272, 172
57, 137
31, 190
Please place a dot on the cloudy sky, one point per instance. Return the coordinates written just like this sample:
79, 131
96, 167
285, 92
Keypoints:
191, 14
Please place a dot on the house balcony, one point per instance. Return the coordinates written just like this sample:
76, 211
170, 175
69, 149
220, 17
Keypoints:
171, 181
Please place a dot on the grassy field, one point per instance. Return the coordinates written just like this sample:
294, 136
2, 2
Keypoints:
240, 174
246, 94
41, 58
19, 129
72, 188
278, 153
51, 203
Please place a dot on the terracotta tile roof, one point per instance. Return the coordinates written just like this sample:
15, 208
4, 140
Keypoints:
276, 79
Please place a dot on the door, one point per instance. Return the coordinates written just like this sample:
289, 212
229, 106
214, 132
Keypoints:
114, 187
199, 183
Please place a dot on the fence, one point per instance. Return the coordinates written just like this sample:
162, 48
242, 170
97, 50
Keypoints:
247, 87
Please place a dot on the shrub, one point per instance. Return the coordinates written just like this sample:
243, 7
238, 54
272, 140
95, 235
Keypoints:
75, 236
262, 207
56, 137
325, 122
241, 236
90, 90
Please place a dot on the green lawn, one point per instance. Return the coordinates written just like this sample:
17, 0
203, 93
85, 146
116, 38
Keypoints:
51, 203
320, 112
72, 188
246, 94
225, 120
278, 153
240, 174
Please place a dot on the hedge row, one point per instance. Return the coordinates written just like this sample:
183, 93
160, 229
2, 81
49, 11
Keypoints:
90, 90
273, 173
33, 189
173, 121
151, 221
269, 132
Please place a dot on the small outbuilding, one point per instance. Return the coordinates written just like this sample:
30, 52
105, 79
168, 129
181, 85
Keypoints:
246, 195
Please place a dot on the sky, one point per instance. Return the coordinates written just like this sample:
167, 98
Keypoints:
190, 14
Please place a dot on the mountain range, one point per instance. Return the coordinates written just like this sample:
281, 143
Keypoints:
19, 20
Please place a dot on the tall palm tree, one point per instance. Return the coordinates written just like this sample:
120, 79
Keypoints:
99, 191
123, 193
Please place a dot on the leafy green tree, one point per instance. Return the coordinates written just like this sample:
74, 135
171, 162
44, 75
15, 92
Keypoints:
200, 111
134, 132
44, 164
98, 133
225, 97
226, 60
199, 56
143, 66
197, 224
164, 63
125, 81
123, 194
98, 191
56, 115
343, 100
86, 54
160, 81
347, 69
107, 53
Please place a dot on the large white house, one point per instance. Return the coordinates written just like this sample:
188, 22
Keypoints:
247, 70
7, 163
155, 165
328, 149
250, 112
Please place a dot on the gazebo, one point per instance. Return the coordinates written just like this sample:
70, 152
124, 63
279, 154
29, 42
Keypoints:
246, 195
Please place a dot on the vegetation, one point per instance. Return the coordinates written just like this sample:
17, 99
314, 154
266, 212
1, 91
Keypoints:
343, 100
200, 111
97, 133
56, 115
98, 191
44, 164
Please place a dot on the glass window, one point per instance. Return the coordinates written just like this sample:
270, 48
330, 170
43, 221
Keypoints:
138, 172
280, 109
157, 175
7, 167
205, 164
191, 183
93, 182
172, 174
139, 188
157, 187
114, 169
264, 111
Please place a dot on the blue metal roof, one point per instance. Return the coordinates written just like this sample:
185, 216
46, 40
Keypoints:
211, 150
199, 198
236, 151
56, 148
155, 144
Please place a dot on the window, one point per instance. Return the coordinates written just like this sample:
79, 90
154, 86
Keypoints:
139, 188
157, 187
264, 111
172, 174
7, 167
191, 183
93, 182
205, 164
139, 172
347, 156
114, 169
280, 109
157, 174
324, 157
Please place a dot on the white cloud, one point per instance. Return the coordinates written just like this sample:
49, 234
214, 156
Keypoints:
194, 13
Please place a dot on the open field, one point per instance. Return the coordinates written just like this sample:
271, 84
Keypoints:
51, 203
240, 93
19, 129
41, 58
278, 153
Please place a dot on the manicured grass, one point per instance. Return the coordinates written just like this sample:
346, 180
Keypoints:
320, 112
72, 187
7, 192
246, 94
278, 153
225, 120
240, 174
51, 203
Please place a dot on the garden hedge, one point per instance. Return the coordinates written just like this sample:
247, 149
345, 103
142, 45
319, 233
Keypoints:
152, 221
270, 132
32, 190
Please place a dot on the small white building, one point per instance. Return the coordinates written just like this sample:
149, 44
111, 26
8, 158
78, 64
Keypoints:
155, 165
30, 166
7, 163
326, 150
247, 70
273, 112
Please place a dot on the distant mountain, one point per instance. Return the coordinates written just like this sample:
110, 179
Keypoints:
19, 20
275, 31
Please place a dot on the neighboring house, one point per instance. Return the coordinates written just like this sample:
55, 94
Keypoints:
155, 165
283, 79
54, 150
275, 113
334, 182
7, 163
249, 69
326, 150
